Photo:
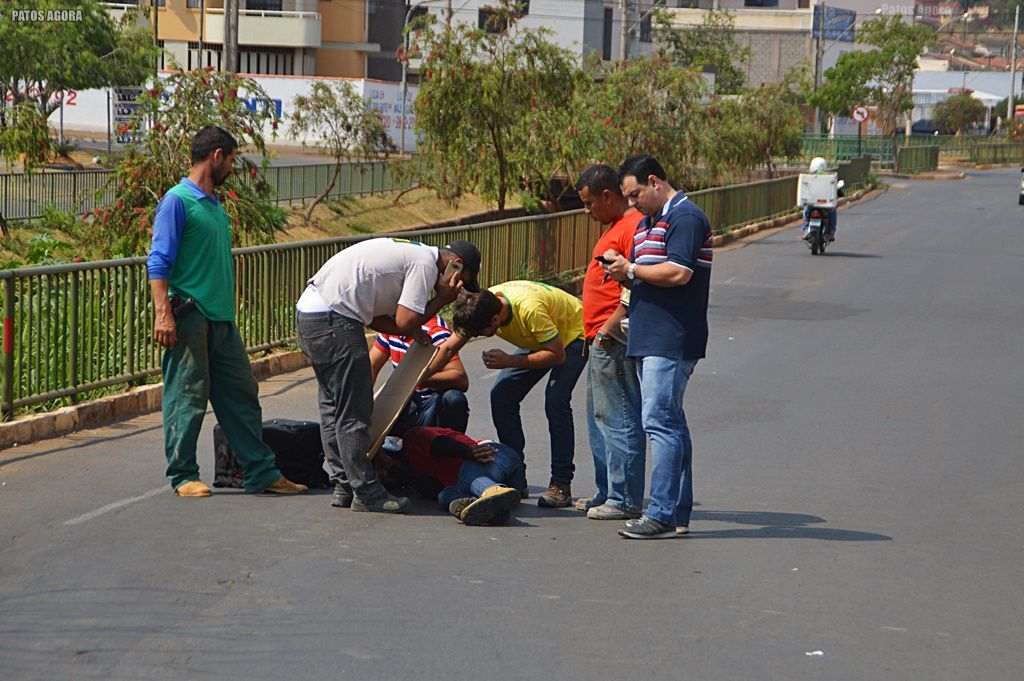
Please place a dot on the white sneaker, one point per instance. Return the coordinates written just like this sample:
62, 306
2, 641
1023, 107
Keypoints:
607, 511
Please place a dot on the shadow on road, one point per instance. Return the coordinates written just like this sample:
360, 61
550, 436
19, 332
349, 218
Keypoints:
776, 526
842, 254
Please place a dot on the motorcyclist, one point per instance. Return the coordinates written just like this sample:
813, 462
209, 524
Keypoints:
817, 167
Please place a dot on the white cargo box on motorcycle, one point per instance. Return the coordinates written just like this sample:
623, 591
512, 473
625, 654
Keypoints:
820, 189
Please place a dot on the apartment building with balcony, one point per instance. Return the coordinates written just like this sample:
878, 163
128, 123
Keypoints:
778, 32
275, 37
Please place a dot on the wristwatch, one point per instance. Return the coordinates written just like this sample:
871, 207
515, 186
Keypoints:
631, 271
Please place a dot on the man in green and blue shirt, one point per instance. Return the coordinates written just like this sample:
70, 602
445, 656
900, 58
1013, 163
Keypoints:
204, 358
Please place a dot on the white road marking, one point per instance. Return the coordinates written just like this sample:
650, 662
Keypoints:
116, 505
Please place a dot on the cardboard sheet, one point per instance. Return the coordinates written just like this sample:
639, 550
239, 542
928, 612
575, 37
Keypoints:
389, 401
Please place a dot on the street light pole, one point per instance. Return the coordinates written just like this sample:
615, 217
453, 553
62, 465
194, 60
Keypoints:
1013, 64
156, 38
818, 55
405, 62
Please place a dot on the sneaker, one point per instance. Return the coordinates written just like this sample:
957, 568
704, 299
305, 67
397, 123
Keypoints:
284, 486
193, 488
648, 528
342, 497
608, 511
558, 495
486, 510
587, 503
459, 505
385, 503
682, 529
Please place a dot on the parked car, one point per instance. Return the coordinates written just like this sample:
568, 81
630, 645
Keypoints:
922, 127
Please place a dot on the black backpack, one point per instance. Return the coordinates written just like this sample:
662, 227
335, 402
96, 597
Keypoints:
296, 445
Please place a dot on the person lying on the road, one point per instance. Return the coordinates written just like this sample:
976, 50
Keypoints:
478, 478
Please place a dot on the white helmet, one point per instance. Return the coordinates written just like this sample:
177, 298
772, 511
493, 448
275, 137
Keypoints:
818, 165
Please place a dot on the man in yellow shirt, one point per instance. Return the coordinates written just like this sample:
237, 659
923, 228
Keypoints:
546, 324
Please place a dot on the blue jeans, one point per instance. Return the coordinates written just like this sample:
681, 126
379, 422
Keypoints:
475, 477
663, 383
833, 217
617, 438
511, 389
448, 409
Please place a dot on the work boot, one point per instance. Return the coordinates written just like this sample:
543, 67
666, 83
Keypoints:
284, 486
558, 495
193, 488
492, 504
459, 505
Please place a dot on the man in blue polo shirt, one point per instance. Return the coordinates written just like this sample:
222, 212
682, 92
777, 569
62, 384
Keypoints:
669, 277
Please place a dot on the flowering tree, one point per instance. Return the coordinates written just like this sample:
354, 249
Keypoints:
491, 109
345, 125
651, 106
39, 60
172, 112
24, 131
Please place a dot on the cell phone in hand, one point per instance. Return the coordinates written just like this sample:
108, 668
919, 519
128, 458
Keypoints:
453, 267
603, 260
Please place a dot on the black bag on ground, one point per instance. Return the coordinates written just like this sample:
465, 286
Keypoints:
296, 445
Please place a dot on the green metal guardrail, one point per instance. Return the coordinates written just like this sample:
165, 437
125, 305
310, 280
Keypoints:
742, 204
916, 159
997, 153
23, 196
75, 328
846, 147
71, 329
854, 172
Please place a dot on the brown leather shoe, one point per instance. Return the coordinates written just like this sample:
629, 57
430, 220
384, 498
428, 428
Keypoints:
284, 486
558, 495
193, 488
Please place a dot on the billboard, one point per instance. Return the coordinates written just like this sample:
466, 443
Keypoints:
835, 24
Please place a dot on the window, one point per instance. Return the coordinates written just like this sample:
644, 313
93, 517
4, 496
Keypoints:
416, 13
645, 29
192, 4
264, 5
760, 3
491, 21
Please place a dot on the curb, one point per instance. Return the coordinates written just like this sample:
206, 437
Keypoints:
933, 176
113, 408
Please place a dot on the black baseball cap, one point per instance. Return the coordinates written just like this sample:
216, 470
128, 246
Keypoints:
470, 255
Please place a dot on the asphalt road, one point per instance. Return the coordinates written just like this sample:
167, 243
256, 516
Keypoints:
858, 441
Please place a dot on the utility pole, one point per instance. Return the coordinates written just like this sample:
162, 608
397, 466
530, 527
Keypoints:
624, 29
447, 17
230, 36
202, 27
819, 44
156, 38
1013, 64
